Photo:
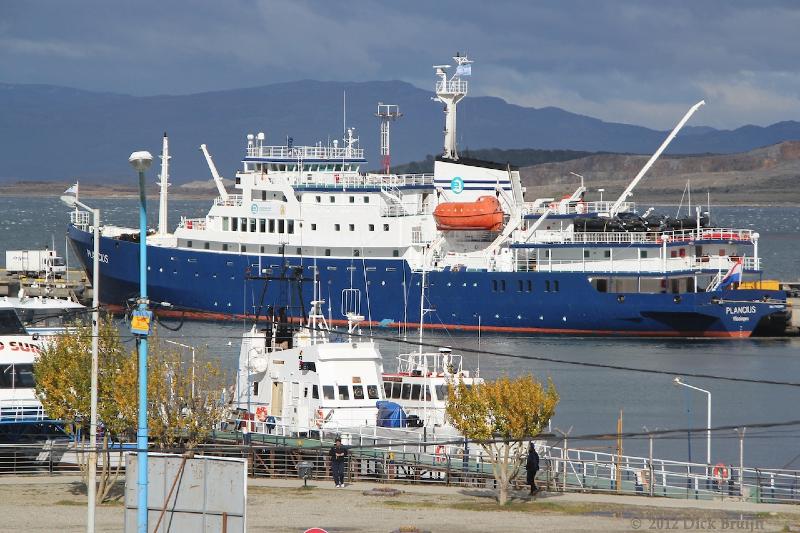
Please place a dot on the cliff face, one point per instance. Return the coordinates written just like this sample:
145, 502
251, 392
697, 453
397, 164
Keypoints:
765, 175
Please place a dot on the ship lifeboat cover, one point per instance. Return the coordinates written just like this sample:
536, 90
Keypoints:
484, 213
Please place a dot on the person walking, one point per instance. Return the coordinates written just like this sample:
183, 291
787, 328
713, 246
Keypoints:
338, 454
532, 466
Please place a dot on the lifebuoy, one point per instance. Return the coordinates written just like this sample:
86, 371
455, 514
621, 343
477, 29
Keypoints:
439, 456
319, 418
720, 472
261, 413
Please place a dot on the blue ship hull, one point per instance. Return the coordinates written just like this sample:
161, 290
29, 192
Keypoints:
206, 284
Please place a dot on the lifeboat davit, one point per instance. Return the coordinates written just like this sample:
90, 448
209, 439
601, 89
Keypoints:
484, 213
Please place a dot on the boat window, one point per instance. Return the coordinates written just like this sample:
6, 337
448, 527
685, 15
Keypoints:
252, 225
372, 227
366, 199
290, 226
358, 392
327, 392
352, 227
333, 199
396, 387
225, 246
441, 392
406, 394
225, 223
344, 393
327, 252
281, 226
314, 392
607, 254
386, 227
352, 199
555, 285
10, 323
372, 392
243, 225
337, 227
416, 389
17, 376
427, 393
206, 245
262, 225
313, 227
494, 285
519, 285
387, 389
547, 286
643, 254
530, 286
234, 224
395, 253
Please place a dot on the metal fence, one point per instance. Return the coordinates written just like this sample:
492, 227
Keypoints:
565, 471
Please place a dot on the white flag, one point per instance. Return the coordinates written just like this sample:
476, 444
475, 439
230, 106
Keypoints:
72, 190
464, 69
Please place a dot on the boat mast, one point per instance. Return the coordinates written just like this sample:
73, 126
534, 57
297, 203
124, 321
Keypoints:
450, 92
162, 200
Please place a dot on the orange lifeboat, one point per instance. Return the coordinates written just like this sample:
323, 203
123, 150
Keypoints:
484, 213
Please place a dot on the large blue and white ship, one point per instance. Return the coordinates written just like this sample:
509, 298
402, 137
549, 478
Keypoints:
488, 258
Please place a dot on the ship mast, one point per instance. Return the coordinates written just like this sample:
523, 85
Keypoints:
450, 92
387, 113
164, 184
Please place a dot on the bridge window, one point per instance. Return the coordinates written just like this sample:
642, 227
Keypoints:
337, 227
314, 392
372, 227
416, 391
372, 392
327, 392
262, 225
406, 394
252, 225
396, 388
225, 224
281, 226
344, 392
234, 224
272, 225
290, 226
352, 227
358, 392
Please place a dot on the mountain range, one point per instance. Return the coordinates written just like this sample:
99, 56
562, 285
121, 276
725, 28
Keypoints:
59, 133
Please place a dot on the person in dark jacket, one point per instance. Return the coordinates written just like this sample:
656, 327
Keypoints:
532, 466
338, 454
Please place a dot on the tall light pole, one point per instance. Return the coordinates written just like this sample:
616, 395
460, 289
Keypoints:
677, 381
601, 191
188, 348
140, 325
91, 488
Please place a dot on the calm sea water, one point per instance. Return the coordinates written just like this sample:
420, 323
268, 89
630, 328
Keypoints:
591, 399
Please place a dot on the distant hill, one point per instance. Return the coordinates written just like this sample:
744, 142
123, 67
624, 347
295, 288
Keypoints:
58, 133
765, 175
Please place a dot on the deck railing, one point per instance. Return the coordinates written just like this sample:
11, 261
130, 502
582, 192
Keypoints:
303, 153
623, 266
231, 200
642, 237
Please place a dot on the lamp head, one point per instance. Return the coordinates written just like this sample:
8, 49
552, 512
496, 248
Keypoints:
140, 160
69, 200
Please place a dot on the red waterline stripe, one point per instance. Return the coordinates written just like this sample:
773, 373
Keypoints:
207, 315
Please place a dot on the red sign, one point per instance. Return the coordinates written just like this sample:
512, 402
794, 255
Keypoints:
315, 530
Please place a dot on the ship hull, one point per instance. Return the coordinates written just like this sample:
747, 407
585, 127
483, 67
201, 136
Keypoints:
218, 285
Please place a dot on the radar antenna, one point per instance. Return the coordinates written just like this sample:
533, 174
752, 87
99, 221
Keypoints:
387, 113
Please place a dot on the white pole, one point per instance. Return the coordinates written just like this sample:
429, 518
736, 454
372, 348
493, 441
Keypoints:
708, 431
92, 488
192, 372
164, 184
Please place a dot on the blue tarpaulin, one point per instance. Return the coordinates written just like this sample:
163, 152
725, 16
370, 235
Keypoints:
390, 415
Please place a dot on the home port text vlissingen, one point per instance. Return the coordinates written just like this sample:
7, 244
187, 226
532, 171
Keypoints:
699, 524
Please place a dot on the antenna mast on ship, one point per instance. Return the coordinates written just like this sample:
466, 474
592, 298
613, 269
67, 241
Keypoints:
450, 92
164, 184
387, 113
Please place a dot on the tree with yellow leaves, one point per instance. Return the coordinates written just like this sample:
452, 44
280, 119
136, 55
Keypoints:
499, 416
62, 374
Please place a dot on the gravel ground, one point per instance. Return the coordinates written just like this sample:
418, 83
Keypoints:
34, 504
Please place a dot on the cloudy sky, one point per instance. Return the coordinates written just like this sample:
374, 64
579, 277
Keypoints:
641, 62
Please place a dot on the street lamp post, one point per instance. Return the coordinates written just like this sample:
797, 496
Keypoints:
677, 381
601, 191
141, 161
91, 488
192, 348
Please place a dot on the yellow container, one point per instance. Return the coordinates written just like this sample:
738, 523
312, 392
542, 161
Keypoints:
767, 285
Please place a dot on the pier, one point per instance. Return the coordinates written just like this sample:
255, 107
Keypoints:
74, 286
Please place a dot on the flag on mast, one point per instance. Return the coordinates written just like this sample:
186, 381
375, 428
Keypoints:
72, 190
464, 69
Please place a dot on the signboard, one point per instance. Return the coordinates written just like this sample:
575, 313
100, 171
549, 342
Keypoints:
140, 322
